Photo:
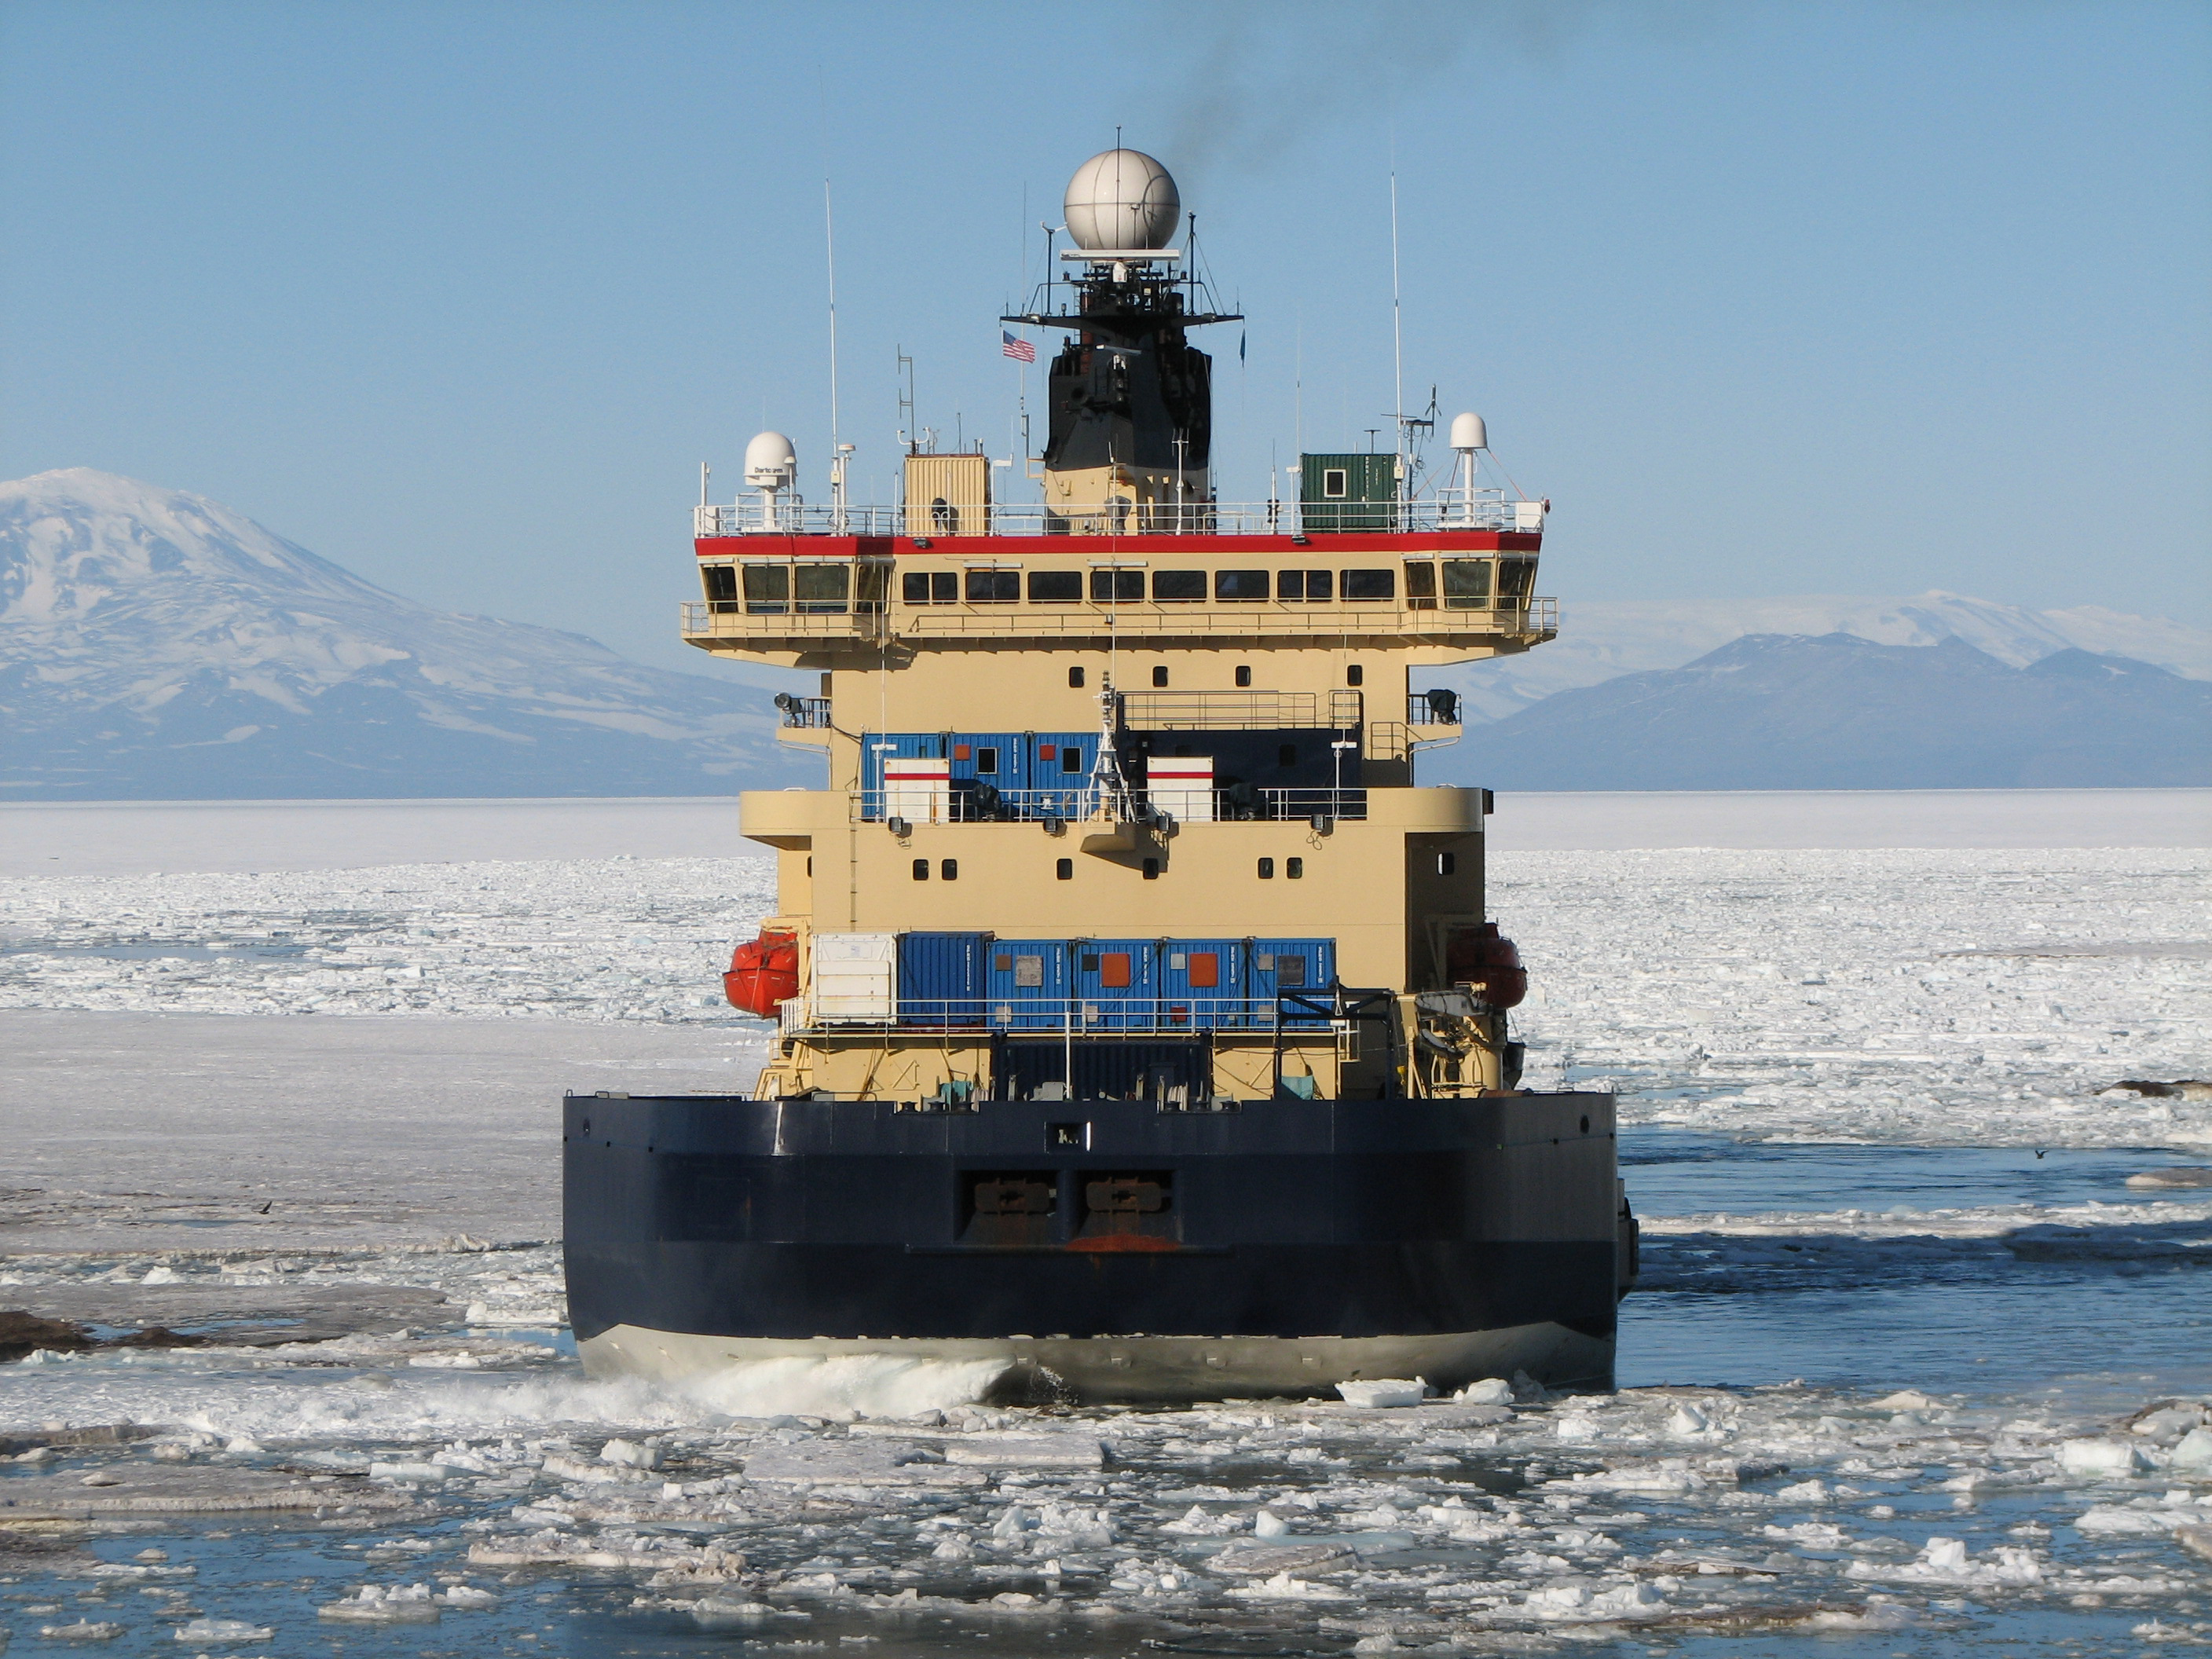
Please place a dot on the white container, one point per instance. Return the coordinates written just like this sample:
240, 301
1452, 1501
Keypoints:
855, 976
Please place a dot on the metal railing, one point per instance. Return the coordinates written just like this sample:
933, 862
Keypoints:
1436, 706
795, 518
964, 801
1241, 711
802, 711
1144, 1011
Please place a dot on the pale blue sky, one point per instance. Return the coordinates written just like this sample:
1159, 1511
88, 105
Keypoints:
1768, 299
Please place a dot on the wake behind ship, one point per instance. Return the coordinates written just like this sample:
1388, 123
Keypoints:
1142, 1033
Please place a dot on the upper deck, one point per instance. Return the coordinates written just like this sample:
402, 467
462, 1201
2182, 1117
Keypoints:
1430, 579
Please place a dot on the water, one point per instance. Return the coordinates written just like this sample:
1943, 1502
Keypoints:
1915, 1276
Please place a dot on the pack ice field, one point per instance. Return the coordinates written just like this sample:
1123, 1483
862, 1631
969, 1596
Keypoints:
1917, 1364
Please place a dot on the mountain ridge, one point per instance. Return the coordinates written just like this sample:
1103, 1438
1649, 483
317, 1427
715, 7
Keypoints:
1836, 711
156, 644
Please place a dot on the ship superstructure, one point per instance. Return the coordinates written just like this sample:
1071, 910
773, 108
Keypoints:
1141, 1030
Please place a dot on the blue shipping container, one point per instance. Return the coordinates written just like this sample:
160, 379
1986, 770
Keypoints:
1278, 965
1058, 765
1202, 984
1118, 982
942, 978
876, 746
1027, 979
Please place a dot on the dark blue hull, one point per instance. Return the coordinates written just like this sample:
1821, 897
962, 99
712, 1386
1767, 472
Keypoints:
1105, 1247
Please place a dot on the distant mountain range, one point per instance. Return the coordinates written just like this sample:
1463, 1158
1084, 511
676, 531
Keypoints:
156, 646
1838, 712
1602, 640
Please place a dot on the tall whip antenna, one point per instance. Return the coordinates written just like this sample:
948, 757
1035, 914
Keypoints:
1397, 338
836, 448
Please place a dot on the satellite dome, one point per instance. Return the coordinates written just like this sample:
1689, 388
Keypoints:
1469, 433
1121, 198
770, 461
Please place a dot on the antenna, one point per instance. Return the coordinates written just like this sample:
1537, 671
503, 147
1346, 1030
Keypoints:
838, 451
907, 433
1397, 338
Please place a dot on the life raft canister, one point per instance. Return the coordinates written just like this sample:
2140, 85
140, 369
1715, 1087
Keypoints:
763, 972
1487, 964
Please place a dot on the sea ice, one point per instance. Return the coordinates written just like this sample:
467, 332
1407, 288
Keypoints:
1384, 1391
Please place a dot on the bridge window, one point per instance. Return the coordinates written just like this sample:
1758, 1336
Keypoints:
768, 589
1075, 679
1354, 674
993, 587
721, 584
1108, 586
1243, 675
1055, 586
1240, 584
821, 589
1176, 585
929, 587
1466, 584
1370, 584
1159, 678
1421, 586
1304, 584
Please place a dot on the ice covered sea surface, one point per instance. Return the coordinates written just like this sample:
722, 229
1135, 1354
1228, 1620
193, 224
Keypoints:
1913, 1368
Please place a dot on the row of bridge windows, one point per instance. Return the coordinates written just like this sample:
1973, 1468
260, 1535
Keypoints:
779, 589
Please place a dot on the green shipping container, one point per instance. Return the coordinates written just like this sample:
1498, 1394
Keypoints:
1348, 492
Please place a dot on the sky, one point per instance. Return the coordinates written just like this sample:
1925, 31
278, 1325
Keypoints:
1767, 299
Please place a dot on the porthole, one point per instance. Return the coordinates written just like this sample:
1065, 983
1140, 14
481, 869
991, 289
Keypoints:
1267, 869
948, 869
1075, 679
1065, 870
1159, 678
1294, 869
1243, 675
921, 869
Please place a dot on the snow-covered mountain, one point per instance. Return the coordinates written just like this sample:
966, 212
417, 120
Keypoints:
1599, 640
1838, 712
156, 645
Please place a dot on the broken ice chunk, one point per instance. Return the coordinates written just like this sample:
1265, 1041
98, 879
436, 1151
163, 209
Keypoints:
2100, 1457
630, 1454
2194, 1450
1384, 1391
218, 1632
1490, 1391
1267, 1524
378, 1604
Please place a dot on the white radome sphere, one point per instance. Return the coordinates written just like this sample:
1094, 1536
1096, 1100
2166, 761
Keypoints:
1121, 198
1469, 433
770, 461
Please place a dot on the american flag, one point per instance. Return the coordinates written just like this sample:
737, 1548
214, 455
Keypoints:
1020, 350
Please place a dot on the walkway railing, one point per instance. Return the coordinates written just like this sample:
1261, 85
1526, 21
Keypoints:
794, 518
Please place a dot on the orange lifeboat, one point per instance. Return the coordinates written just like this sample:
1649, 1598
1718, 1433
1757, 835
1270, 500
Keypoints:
763, 972
1487, 964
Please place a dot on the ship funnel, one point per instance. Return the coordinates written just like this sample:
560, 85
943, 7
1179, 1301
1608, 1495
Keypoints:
1468, 434
1121, 199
